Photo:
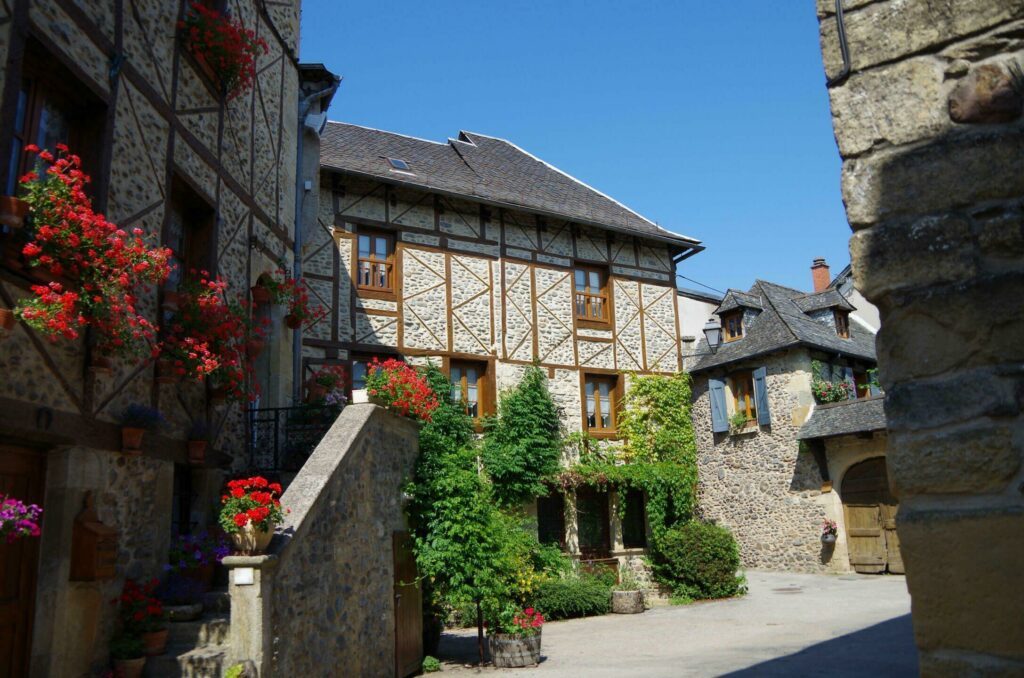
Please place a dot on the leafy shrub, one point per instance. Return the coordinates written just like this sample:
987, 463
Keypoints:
550, 560
575, 595
431, 665
699, 560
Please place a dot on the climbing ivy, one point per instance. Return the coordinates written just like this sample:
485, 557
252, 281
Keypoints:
655, 420
522, 446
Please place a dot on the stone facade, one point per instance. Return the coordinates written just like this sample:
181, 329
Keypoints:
162, 125
929, 127
324, 594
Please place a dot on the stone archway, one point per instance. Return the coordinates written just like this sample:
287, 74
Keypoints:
870, 511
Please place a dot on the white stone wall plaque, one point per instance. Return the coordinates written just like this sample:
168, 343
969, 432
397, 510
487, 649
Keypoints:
244, 576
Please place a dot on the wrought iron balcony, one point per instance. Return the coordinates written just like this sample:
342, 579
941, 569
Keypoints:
282, 438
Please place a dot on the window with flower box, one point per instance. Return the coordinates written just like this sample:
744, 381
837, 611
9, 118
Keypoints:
741, 385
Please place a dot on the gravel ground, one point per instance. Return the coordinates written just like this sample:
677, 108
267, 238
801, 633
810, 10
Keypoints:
787, 625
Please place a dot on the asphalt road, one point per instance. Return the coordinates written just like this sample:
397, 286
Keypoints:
787, 625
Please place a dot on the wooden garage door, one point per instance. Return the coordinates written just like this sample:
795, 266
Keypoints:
21, 476
408, 608
871, 518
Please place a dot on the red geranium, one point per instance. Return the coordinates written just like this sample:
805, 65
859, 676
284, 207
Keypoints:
225, 45
250, 500
141, 610
402, 388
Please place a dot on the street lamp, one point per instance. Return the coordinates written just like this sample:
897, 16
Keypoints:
713, 333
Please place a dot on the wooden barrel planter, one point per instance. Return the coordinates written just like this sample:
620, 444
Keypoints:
511, 652
627, 602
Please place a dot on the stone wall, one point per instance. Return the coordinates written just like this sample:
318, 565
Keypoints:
760, 484
324, 596
929, 127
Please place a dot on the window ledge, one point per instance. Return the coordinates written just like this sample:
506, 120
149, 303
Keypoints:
384, 295
593, 324
603, 435
745, 430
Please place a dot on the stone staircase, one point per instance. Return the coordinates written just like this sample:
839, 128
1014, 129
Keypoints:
196, 649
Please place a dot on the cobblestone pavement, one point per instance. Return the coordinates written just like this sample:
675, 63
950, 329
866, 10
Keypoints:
787, 625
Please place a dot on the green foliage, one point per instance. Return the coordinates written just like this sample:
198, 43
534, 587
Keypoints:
550, 560
738, 420
699, 560
827, 390
522, 445
126, 646
628, 581
575, 595
655, 420
431, 664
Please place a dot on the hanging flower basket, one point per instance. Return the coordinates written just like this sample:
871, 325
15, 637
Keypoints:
13, 211
260, 295
225, 50
166, 371
170, 300
254, 347
7, 319
292, 322
101, 365
197, 452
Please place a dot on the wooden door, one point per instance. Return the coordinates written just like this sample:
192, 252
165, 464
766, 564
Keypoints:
593, 523
871, 518
21, 476
408, 608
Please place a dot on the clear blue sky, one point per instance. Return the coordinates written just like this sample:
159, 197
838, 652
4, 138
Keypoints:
708, 117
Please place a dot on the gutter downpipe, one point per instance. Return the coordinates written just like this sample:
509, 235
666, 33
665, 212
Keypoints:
304, 105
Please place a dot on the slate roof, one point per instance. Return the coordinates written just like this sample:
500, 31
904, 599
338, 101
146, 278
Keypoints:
845, 417
735, 299
702, 295
782, 324
829, 298
483, 168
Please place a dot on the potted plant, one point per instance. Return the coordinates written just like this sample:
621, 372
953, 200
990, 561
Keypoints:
126, 651
182, 598
323, 381
135, 421
225, 50
13, 211
195, 555
400, 388
627, 595
198, 441
7, 319
829, 531
142, 613
250, 510
738, 423
514, 637
18, 519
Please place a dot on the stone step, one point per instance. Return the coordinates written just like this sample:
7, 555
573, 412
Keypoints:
203, 662
217, 600
204, 632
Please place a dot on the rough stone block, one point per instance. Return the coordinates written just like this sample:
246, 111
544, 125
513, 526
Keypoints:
957, 398
976, 459
987, 95
896, 104
963, 572
952, 664
907, 254
949, 172
885, 31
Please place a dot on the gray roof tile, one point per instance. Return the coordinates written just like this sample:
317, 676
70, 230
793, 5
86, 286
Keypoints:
482, 167
843, 418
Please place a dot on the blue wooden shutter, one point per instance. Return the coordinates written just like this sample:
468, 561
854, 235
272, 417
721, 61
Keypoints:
764, 416
874, 390
719, 418
850, 382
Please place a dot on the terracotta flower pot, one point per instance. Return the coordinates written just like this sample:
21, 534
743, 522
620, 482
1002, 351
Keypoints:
315, 392
166, 373
293, 322
218, 395
254, 347
129, 668
13, 211
7, 319
260, 295
197, 452
155, 642
131, 439
101, 365
250, 540
171, 300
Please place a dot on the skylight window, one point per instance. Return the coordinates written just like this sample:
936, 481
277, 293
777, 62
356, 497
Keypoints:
400, 165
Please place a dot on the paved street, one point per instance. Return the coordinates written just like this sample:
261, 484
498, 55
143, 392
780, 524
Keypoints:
787, 625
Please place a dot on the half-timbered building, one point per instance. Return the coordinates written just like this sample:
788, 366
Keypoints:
485, 259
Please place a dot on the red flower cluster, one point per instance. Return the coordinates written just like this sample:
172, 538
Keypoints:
250, 500
292, 291
208, 335
108, 265
528, 619
141, 610
329, 376
402, 388
226, 46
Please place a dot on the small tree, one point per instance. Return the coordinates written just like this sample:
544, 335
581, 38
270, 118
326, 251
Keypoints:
522, 446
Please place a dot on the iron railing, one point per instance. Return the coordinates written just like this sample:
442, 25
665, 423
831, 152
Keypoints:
282, 438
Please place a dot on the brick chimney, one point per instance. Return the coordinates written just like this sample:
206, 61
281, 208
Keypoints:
820, 275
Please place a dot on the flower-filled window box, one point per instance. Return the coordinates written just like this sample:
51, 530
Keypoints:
224, 50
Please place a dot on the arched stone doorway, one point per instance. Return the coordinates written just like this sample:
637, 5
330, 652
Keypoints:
870, 511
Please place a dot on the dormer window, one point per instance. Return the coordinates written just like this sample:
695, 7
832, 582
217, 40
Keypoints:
732, 325
842, 323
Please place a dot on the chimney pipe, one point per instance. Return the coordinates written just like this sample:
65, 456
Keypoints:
820, 274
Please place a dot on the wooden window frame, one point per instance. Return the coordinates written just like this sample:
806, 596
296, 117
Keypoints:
842, 321
749, 403
585, 320
615, 393
862, 383
375, 291
727, 320
484, 388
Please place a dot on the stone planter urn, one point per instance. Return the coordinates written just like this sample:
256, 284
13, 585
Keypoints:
627, 602
129, 668
183, 613
155, 642
251, 540
512, 652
